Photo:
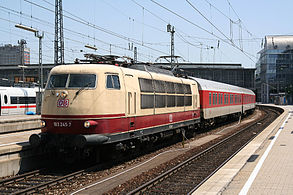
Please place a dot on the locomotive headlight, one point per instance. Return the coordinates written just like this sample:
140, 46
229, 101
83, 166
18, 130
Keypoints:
43, 123
88, 124
63, 94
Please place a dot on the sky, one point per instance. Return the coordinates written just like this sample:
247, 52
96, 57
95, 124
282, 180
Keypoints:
206, 31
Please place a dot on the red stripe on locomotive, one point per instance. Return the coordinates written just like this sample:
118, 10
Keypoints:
114, 125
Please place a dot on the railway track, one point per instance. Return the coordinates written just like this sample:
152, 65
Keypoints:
186, 177
34, 181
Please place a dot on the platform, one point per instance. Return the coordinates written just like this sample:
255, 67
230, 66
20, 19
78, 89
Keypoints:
13, 123
264, 166
15, 150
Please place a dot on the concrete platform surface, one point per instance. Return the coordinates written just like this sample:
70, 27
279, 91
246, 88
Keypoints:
17, 118
264, 166
13, 123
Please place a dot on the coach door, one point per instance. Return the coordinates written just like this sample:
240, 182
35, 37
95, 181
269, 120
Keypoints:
131, 98
0, 103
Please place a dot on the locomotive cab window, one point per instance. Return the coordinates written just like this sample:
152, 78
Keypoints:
113, 82
72, 81
82, 80
57, 81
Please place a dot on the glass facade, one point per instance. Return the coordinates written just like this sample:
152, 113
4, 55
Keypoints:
274, 71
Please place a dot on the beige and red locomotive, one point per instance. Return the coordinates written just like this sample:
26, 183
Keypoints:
86, 105
103, 104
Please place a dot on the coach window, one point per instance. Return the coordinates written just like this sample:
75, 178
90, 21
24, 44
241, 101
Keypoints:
113, 82
14, 100
210, 98
216, 98
5, 99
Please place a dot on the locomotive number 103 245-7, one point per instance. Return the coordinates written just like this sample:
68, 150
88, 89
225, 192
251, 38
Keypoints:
62, 124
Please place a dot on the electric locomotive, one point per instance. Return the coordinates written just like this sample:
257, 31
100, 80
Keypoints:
86, 106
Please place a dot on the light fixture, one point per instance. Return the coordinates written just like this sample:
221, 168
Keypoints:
26, 28
91, 47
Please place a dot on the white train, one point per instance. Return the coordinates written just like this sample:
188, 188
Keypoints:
17, 101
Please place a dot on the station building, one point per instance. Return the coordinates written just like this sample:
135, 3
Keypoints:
14, 54
274, 70
233, 74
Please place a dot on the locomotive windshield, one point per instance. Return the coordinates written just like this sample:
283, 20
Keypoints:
72, 81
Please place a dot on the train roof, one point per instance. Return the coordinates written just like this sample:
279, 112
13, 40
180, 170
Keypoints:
204, 84
95, 68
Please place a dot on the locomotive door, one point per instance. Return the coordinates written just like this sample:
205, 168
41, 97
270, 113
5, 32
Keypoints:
131, 97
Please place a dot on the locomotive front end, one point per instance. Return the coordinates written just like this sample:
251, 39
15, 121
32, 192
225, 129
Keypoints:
71, 109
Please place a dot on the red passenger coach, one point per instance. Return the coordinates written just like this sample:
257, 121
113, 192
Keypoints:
219, 99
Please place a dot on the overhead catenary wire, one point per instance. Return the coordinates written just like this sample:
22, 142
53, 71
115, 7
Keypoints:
84, 22
66, 29
238, 17
203, 29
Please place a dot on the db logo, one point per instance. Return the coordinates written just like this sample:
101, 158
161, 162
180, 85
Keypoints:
63, 103
170, 118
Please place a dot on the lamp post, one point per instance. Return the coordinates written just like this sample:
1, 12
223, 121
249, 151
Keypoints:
23, 67
40, 69
171, 30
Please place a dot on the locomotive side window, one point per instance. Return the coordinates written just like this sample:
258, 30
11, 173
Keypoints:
180, 100
160, 94
146, 85
113, 82
160, 101
82, 80
159, 86
187, 100
57, 81
179, 88
147, 101
187, 89
171, 101
170, 87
